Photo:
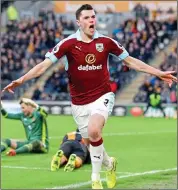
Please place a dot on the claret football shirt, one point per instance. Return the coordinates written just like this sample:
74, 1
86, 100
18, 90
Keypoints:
87, 65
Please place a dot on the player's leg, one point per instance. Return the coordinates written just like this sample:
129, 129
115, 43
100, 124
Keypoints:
107, 161
148, 106
38, 146
75, 161
95, 126
27, 147
161, 109
61, 156
81, 116
77, 156
100, 109
58, 160
5, 144
18, 147
8, 143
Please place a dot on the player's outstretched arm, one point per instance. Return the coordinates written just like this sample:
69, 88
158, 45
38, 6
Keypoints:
36, 71
143, 67
10, 115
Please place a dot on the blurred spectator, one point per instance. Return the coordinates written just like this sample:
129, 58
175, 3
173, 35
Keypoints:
170, 10
141, 11
155, 101
168, 95
37, 93
12, 13
4, 5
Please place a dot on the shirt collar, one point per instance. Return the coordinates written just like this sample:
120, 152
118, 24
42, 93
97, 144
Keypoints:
96, 35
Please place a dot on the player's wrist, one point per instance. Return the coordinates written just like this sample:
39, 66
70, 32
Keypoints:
159, 73
22, 80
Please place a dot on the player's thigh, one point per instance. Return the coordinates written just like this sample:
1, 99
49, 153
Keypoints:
67, 148
80, 154
79, 150
103, 106
81, 116
38, 147
20, 143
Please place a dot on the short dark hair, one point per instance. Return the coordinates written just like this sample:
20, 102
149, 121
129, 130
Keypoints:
83, 7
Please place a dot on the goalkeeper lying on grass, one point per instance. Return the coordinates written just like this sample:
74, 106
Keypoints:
72, 153
33, 118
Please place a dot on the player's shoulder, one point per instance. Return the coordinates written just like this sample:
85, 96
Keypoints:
105, 38
68, 40
36, 113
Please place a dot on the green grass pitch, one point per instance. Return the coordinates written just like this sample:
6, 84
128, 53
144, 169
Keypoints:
145, 148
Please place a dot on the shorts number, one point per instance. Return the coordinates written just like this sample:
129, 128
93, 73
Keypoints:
106, 102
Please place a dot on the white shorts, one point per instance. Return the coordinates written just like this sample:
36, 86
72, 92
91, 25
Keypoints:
102, 106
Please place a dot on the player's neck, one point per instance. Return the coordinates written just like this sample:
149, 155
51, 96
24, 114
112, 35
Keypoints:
85, 38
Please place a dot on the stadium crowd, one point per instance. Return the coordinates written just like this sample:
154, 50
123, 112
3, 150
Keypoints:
168, 94
26, 42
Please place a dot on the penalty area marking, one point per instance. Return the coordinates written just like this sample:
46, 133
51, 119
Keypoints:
78, 185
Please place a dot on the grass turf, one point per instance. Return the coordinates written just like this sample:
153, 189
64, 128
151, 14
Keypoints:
139, 144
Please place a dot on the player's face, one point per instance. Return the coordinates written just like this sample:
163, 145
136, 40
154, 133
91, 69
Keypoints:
87, 22
25, 109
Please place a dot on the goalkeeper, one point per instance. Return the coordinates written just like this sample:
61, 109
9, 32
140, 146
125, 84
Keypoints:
72, 153
33, 118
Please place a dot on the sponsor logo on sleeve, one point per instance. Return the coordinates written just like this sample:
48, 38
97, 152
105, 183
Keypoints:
56, 49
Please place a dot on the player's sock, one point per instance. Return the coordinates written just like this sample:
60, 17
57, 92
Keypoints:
107, 162
4, 144
96, 153
24, 149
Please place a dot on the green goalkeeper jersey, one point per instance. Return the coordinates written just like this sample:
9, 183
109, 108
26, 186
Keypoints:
35, 125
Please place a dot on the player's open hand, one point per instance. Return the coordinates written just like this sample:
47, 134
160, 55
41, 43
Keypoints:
168, 77
13, 85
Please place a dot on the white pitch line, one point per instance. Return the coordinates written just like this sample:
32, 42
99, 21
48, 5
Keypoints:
35, 168
78, 185
125, 134
25, 168
121, 134
105, 171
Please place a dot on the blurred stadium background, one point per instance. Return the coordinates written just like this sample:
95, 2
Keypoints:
148, 30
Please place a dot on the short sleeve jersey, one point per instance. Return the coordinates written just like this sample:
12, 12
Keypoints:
87, 65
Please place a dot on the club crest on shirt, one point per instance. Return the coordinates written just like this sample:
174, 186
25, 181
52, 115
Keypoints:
99, 47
